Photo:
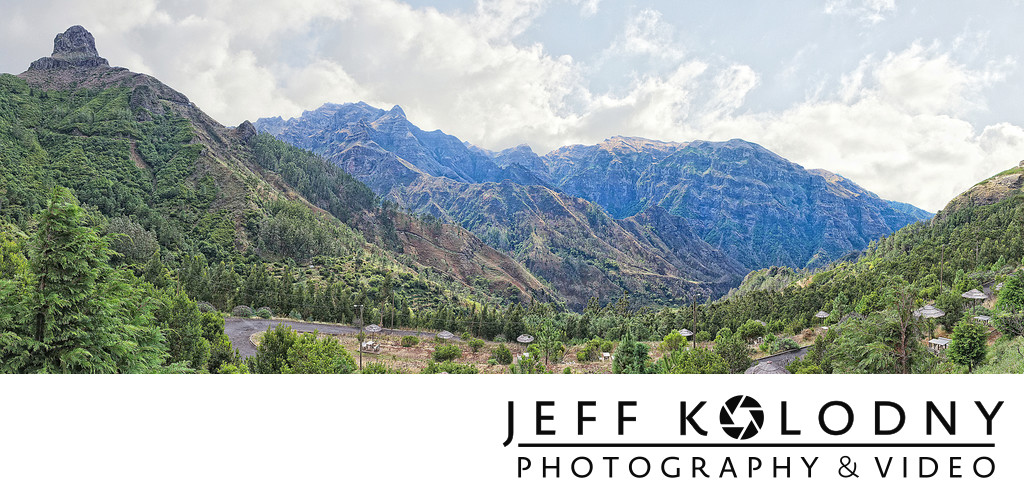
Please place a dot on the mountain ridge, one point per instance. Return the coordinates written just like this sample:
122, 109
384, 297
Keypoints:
741, 198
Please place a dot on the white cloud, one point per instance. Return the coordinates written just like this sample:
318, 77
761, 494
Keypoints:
588, 8
894, 128
894, 124
867, 11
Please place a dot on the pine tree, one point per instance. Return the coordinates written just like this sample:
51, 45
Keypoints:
81, 315
182, 326
968, 347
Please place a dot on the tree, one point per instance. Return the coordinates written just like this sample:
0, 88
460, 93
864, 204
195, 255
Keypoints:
272, 351
632, 357
79, 315
671, 342
312, 355
752, 330
1011, 297
733, 349
967, 346
549, 337
181, 322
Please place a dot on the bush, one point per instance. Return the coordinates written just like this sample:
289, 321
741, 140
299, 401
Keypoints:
502, 355
785, 344
447, 352
376, 368
476, 344
449, 367
672, 342
809, 369
294, 314
264, 313
567, 370
410, 341
593, 348
752, 330
1009, 323
464, 336
205, 306
242, 311
499, 338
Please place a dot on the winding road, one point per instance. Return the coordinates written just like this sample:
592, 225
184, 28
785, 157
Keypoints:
239, 330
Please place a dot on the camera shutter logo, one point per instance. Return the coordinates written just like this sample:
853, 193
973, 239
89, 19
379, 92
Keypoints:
741, 417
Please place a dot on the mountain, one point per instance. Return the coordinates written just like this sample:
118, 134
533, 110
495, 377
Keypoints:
975, 242
739, 206
567, 241
432, 153
150, 163
751, 203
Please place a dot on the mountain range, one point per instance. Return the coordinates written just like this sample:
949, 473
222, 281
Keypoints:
660, 220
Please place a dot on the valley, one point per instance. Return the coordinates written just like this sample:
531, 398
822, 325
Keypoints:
141, 235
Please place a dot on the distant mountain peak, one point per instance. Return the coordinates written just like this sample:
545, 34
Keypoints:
638, 143
397, 112
74, 48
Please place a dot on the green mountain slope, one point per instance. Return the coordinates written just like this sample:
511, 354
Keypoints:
148, 163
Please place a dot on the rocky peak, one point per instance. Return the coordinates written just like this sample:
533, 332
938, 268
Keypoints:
246, 131
74, 48
397, 112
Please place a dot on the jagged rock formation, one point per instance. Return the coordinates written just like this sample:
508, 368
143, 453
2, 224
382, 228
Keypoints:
74, 48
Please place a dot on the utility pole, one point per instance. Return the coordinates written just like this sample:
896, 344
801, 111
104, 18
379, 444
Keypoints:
360, 336
693, 299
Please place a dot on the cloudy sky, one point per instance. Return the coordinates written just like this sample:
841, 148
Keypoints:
914, 100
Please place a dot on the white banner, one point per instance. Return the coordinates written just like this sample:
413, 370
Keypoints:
419, 435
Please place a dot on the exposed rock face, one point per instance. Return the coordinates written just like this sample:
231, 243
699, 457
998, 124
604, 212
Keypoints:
245, 132
74, 48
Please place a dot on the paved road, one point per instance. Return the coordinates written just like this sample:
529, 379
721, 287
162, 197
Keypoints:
784, 358
239, 330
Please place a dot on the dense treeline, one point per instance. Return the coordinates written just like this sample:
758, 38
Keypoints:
65, 309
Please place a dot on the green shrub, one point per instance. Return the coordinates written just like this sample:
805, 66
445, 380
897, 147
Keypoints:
593, 348
785, 344
264, 313
242, 311
205, 306
1009, 323
809, 369
502, 355
567, 370
294, 314
449, 367
672, 342
410, 341
447, 352
476, 344
376, 368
